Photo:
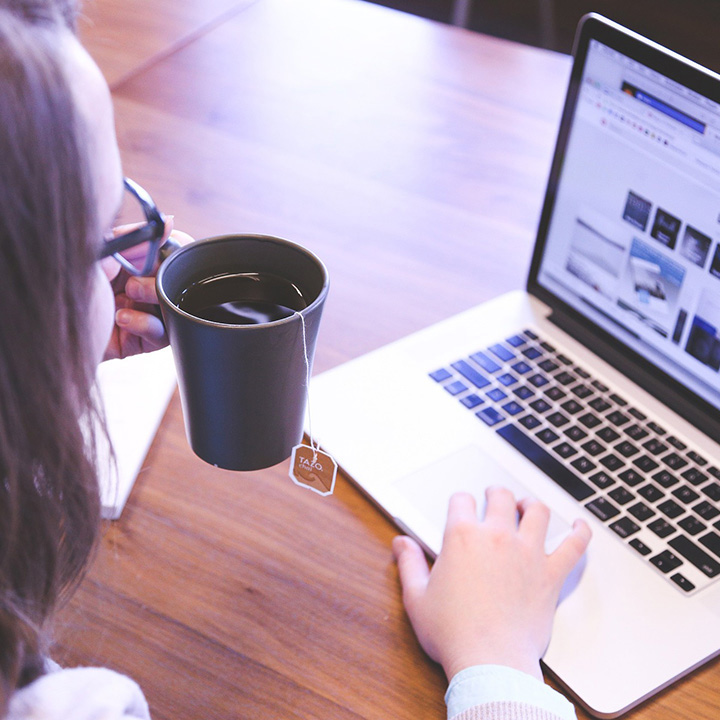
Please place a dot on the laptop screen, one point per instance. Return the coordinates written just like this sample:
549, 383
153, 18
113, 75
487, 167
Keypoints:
632, 237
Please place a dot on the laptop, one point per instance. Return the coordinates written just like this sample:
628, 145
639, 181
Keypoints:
596, 389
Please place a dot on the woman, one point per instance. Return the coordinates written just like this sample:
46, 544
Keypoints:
63, 311
60, 187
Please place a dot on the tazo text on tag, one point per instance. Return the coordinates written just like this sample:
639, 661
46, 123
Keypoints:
313, 469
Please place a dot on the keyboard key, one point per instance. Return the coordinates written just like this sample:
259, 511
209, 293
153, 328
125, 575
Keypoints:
691, 525
521, 367
523, 392
540, 405
582, 373
471, 374
575, 433
593, 448
617, 418
552, 467
490, 416
637, 414
651, 493
571, 406
602, 480
589, 420
530, 334
685, 494
706, 511
697, 459
599, 386
565, 450
583, 464
677, 444
641, 511
599, 404
654, 446
547, 346
547, 436
635, 432
671, 509
607, 434
538, 380
645, 463
455, 388
657, 428
554, 393
496, 394
715, 472
712, 491
640, 546
471, 401
618, 400
665, 479
440, 375
612, 462
582, 391
485, 362
695, 476
602, 508
557, 419
515, 341
507, 379
674, 461
624, 527
666, 561
564, 359
621, 496
661, 528
565, 378
682, 582
548, 365
631, 478
532, 353
500, 351
530, 422
513, 408
626, 449
712, 542
696, 555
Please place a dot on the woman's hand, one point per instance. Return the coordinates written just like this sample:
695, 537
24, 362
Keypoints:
138, 327
492, 592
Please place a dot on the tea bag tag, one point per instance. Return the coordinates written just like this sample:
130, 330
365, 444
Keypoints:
309, 466
313, 469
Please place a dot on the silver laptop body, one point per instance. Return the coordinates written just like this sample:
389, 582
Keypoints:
621, 314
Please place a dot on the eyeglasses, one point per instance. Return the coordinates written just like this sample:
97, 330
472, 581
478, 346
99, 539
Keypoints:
148, 224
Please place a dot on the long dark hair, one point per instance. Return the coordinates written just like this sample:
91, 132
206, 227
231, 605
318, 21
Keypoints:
49, 506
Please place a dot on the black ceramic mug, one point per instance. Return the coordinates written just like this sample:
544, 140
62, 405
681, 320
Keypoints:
243, 376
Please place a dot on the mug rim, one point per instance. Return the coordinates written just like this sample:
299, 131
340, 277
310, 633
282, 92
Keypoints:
165, 300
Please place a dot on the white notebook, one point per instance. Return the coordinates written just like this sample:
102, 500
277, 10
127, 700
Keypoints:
136, 392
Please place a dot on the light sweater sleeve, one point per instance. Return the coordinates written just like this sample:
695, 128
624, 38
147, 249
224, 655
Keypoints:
494, 692
79, 694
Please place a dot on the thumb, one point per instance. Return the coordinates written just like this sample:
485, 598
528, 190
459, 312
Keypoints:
413, 570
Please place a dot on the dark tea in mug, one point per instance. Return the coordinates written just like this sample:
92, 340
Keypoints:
242, 298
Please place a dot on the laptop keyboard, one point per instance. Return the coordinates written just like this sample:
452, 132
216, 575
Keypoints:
654, 492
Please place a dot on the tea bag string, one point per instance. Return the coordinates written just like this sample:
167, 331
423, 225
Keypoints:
313, 447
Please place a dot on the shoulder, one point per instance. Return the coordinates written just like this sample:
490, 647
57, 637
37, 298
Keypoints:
79, 694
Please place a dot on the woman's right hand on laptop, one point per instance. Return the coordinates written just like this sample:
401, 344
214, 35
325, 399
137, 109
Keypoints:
492, 592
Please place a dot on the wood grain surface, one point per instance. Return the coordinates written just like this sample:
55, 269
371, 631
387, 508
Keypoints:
411, 157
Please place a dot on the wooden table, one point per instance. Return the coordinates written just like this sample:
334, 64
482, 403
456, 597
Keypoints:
410, 156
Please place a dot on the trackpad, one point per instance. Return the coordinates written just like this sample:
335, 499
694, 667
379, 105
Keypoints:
469, 470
